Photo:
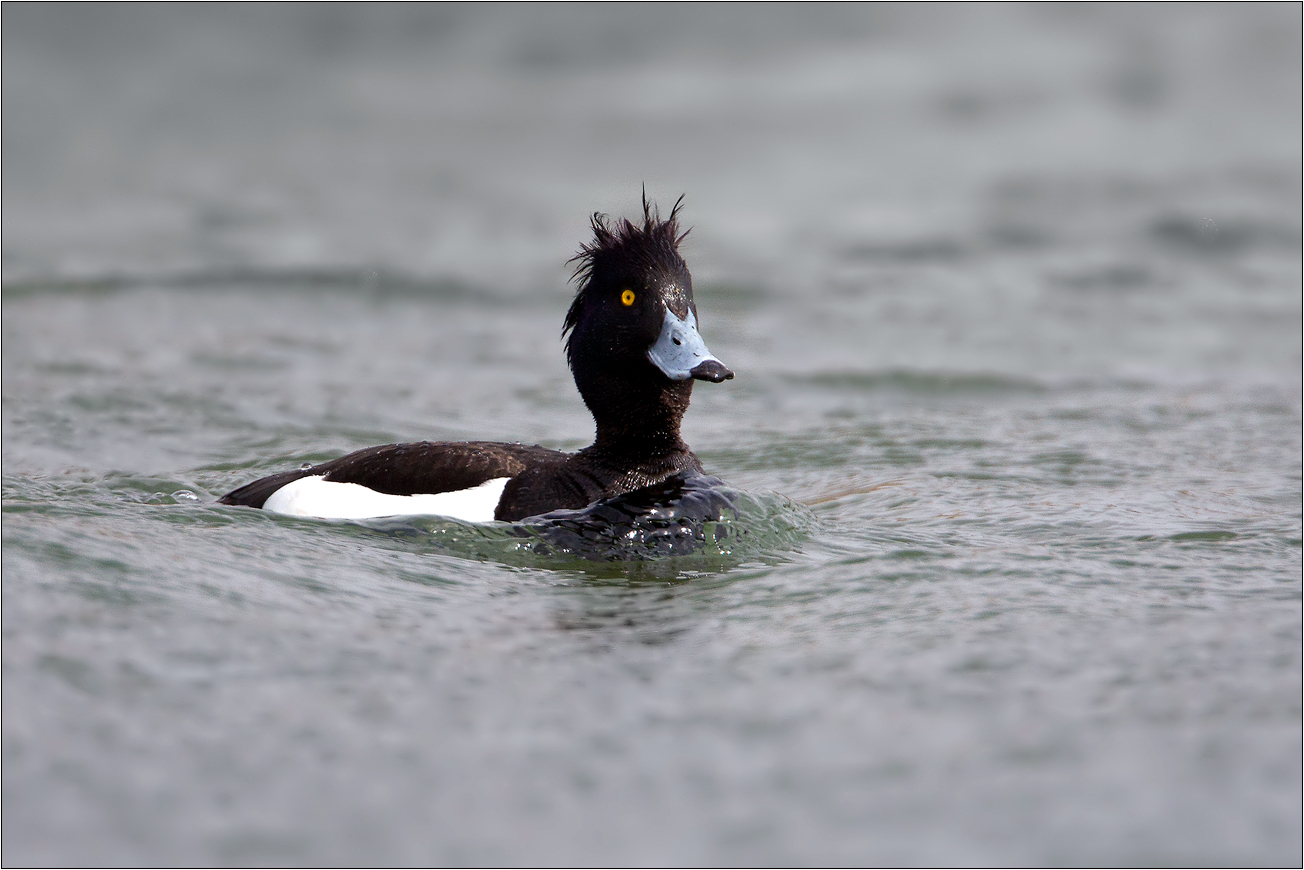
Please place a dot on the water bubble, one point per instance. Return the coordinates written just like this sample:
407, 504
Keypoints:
183, 495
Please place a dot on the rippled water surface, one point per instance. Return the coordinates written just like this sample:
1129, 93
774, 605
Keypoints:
1014, 303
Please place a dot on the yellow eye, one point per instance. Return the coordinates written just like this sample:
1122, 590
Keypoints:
627, 298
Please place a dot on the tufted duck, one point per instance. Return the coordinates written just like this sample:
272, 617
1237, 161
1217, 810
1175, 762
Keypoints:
634, 351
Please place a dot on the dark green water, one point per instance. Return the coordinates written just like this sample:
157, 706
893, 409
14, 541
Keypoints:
1016, 323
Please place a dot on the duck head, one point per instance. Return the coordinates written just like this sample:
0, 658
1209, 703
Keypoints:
633, 344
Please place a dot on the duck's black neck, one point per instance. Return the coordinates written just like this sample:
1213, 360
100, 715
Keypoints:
640, 426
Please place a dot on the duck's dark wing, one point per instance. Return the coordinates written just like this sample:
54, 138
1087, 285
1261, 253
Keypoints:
425, 467
584, 478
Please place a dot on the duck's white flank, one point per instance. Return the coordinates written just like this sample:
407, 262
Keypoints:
324, 499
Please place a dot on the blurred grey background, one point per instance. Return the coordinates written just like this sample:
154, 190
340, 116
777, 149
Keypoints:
471, 142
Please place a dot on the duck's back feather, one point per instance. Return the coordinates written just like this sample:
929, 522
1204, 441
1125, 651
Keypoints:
421, 468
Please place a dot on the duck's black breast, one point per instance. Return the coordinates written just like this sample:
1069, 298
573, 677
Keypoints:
674, 516
421, 468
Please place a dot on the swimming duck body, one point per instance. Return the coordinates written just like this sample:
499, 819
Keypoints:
634, 350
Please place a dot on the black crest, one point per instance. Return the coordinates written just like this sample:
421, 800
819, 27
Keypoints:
624, 247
